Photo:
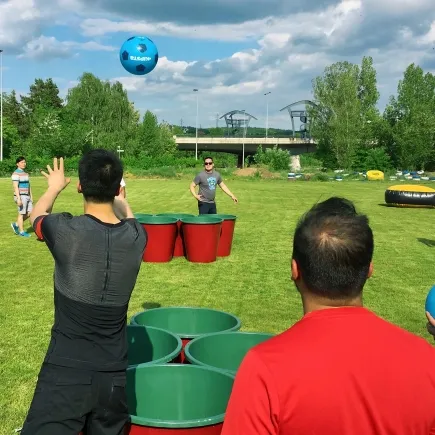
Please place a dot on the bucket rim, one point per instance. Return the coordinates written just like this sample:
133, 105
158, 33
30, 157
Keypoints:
195, 361
199, 422
226, 217
211, 220
157, 220
163, 359
182, 335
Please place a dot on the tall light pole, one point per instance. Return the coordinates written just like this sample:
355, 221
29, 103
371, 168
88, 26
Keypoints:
267, 111
197, 107
244, 135
1, 105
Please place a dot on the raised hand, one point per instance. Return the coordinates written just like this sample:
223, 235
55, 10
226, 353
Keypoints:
56, 176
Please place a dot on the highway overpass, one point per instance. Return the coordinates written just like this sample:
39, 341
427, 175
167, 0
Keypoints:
235, 144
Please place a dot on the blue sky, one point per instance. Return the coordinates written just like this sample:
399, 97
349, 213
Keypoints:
233, 51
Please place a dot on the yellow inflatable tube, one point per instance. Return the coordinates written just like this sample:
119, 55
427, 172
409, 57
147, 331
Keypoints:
375, 175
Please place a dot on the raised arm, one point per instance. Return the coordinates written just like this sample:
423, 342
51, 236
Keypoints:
56, 183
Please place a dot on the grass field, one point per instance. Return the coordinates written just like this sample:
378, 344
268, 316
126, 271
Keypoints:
253, 283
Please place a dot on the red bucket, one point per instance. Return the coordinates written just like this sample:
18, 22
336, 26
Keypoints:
179, 250
227, 233
161, 235
201, 237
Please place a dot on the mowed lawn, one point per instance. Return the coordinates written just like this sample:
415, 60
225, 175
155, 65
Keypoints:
254, 283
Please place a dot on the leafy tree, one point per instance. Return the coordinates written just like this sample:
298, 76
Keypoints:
338, 119
410, 118
42, 94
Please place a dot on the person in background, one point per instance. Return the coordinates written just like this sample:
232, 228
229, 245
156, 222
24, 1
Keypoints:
341, 369
97, 257
23, 196
207, 180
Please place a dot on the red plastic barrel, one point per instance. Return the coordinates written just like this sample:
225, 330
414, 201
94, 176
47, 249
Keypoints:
201, 237
227, 232
161, 235
179, 250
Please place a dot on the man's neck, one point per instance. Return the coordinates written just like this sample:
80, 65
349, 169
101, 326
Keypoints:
312, 303
103, 212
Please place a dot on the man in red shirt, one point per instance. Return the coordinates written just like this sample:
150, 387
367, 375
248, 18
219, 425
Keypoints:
340, 370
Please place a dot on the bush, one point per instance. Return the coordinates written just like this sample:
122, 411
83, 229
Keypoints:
372, 159
275, 158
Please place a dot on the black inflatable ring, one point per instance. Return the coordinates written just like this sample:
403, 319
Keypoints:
408, 195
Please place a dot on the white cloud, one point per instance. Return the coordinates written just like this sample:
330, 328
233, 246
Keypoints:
45, 47
291, 43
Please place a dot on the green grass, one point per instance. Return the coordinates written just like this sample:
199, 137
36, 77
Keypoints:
253, 283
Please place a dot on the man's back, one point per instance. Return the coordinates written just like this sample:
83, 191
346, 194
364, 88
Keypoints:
96, 267
338, 371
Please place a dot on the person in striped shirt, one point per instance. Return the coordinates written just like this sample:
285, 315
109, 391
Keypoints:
22, 196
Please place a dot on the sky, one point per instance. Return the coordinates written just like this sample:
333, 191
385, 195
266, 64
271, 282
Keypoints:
233, 51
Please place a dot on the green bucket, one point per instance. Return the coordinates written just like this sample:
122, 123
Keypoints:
156, 220
223, 351
187, 322
176, 396
149, 345
225, 217
138, 216
203, 219
178, 216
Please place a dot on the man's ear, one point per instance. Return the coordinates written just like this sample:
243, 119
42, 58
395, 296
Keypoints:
79, 187
370, 270
295, 270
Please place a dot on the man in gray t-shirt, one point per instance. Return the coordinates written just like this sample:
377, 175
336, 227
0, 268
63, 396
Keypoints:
207, 181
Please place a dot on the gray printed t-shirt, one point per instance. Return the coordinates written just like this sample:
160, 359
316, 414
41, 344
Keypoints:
207, 183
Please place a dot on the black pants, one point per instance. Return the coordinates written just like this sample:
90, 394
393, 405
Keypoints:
207, 207
69, 401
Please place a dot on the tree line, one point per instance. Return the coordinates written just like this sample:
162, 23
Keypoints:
94, 114
350, 130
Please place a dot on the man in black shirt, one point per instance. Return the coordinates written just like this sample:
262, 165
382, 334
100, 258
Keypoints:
81, 385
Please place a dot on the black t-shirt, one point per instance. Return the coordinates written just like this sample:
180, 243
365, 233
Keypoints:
96, 267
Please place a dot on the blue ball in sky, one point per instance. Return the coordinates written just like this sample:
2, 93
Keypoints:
139, 55
430, 302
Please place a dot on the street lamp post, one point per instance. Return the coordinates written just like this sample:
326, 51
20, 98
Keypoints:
267, 111
1, 105
196, 141
244, 136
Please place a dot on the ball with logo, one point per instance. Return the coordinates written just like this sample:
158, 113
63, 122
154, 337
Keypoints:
139, 55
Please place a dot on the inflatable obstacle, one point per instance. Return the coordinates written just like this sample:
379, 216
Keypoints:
375, 175
409, 195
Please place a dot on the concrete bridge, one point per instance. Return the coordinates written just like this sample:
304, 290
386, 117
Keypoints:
246, 146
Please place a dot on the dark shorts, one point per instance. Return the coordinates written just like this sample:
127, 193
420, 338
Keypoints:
69, 401
207, 207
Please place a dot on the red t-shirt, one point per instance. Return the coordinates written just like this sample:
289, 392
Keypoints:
338, 371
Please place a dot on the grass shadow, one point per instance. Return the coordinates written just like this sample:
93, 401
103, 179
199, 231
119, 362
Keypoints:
151, 305
427, 242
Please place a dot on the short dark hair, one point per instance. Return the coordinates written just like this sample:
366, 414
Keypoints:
20, 159
211, 158
100, 174
333, 247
